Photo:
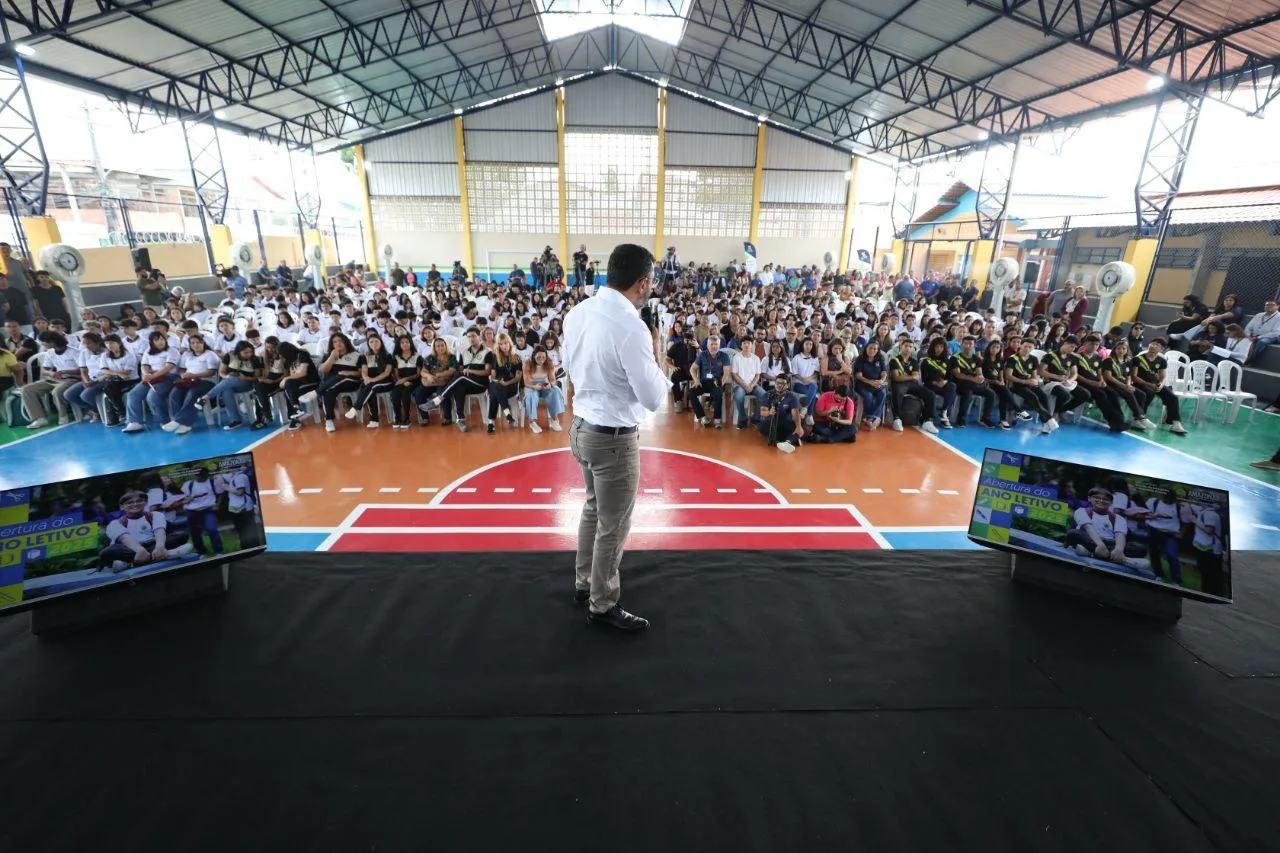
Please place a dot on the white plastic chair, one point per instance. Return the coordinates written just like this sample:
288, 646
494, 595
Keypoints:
1037, 354
1226, 390
1194, 382
1173, 358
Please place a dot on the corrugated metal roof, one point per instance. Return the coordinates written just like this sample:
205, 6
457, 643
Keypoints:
895, 62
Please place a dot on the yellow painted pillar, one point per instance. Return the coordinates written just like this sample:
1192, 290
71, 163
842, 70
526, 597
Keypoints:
658, 251
757, 185
980, 262
220, 245
850, 202
462, 197
41, 231
564, 183
370, 238
1142, 255
898, 248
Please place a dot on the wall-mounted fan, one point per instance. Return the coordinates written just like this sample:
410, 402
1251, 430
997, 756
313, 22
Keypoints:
66, 264
242, 256
888, 263
1113, 281
313, 256
1003, 275
388, 255
829, 260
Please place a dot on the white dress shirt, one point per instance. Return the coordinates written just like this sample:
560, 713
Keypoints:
608, 354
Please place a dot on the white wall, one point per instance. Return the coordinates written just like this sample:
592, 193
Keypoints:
796, 251
502, 244
420, 249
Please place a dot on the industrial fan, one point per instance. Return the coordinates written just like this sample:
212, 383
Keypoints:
66, 264
1003, 275
1114, 280
888, 263
314, 258
242, 256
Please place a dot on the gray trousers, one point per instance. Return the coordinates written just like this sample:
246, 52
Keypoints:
611, 471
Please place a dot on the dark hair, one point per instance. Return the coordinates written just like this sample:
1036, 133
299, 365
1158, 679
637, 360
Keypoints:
57, 340
151, 342
628, 264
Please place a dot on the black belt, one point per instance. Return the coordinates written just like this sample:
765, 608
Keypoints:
607, 430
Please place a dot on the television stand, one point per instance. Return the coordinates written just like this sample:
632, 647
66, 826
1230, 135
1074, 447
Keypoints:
1146, 599
62, 616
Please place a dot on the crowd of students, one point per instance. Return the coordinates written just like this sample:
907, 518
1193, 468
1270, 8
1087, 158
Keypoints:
852, 351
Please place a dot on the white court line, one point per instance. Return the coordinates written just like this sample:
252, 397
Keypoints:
799, 491
343, 527
351, 490
577, 490
573, 529
429, 490
873, 491
464, 492
909, 491
947, 492
837, 492
389, 490
727, 491
653, 491
762, 491
504, 490
923, 529
268, 491
41, 434
690, 491
1266, 527
310, 491
276, 430
541, 491
868, 527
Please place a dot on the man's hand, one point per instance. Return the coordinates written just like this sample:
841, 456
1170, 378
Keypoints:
141, 556
1101, 552
159, 553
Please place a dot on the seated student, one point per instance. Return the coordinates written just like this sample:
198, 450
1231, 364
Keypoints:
966, 372
376, 371
540, 385
779, 419
139, 537
805, 369
1061, 386
1149, 370
301, 380
83, 395
904, 381
1202, 348
268, 382
870, 378
119, 375
504, 384
1100, 531
439, 368
341, 372
1089, 374
1115, 371
935, 375
837, 368
711, 374
407, 363
834, 423
158, 369
475, 367
680, 358
1022, 373
994, 359
239, 370
744, 370
197, 370
59, 371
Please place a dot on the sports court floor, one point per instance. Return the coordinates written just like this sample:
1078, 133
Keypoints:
435, 489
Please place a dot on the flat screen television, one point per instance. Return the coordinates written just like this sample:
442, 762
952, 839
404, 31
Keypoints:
59, 539
1146, 529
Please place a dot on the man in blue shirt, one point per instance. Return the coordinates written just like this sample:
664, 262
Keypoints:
236, 282
779, 418
710, 375
905, 288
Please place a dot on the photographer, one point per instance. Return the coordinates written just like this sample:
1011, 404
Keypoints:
680, 358
779, 419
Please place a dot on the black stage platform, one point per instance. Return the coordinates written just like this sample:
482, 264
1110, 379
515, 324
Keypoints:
910, 701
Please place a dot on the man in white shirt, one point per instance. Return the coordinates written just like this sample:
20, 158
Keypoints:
202, 512
139, 537
1100, 531
1263, 330
745, 371
614, 363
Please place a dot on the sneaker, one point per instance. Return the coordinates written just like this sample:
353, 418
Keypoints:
553, 425
1005, 425
1138, 424
1146, 423
1045, 429
372, 425
170, 426
330, 426
511, 420
309, 397
131, 428
742, 424
928, 427
294, 424
719, 424
258, 425
461, 425
946, 422
1025, 416
233, 425
182, 429
490, 429
40, 423
678, 408
897, 424
351, 413
534, 428
786, 447
1177, 428
706, 422
1266, 465
1052, 424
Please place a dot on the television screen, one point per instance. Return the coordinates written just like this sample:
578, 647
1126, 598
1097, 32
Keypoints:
61, 538
1149, 529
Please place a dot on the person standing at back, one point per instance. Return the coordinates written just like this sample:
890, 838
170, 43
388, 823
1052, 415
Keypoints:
613, 361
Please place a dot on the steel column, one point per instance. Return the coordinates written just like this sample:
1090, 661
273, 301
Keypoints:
906, 185
994, 189
1172, 129
306, 187
208, 172
23, 161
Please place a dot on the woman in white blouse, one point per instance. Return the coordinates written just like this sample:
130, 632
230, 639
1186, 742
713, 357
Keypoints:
158, 373
120, 374
197, 369
805, 368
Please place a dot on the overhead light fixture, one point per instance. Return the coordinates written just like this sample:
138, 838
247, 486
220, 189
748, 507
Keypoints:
24, 50
220, 114
457, 111
762, 119
559, 81
983, 136
610, 67
662, 82
1156, 82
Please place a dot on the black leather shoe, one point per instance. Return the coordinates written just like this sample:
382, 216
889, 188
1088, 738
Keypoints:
581, 596
618, 618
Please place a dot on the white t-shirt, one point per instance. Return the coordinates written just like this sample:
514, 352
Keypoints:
126, 363
92, 362
1106, 526
1205, 541
804, 365
138, 346
222, 345
239, 503
203, 495
205, 361
747, 367
1164, 517
155, 361
142, 528
68, 359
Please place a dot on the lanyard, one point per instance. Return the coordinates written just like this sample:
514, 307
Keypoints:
941, 368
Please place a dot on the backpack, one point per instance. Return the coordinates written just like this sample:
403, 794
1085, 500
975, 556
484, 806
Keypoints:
910, 410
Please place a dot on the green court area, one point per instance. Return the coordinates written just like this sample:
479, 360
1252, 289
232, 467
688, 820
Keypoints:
8, 434
1233, 446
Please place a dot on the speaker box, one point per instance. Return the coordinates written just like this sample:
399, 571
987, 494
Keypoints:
1031, 272
142, 258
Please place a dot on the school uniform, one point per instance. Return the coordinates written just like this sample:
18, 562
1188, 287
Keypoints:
202, 515
402, 391
424, 395
932, 372
296, 387
500, 395
1150, 370
1061, 398
967, 389
144, 531
1120, 371
184, 397
241, 508
910, 388
1028, 396
117, 388
1090, 368
84, 395
872, 397
343, 378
